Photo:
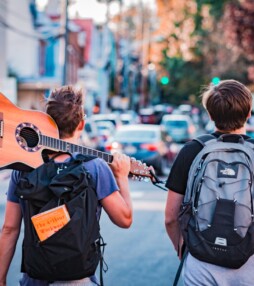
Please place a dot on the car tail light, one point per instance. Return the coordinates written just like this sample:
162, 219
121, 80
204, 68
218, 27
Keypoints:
149, 147
108, 147
114, 146
191, 129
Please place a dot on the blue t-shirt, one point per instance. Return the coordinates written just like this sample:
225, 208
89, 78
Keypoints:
103, 181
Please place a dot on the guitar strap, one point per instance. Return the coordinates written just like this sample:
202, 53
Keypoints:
46, 158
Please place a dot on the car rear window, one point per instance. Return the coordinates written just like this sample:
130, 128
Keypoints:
176, 123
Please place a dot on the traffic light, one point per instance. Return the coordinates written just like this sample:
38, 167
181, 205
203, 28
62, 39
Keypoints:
164, 80
215, 80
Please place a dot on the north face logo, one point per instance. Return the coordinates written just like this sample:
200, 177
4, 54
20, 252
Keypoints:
228, 172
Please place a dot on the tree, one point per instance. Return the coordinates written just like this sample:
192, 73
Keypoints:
223, 34
185, 79
239, 27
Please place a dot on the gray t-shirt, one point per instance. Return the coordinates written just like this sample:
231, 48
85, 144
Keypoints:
197, 273
103, 181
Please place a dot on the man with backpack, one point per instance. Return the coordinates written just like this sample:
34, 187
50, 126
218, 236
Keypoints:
209, 209
65, 106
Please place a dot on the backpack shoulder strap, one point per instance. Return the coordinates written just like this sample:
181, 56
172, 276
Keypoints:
178, 273
202, 139
251, 140
78, 157
84, 158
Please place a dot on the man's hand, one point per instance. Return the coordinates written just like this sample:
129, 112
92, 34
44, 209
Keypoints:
120, 165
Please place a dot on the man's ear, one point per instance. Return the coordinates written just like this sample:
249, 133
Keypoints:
81, 125
249, 115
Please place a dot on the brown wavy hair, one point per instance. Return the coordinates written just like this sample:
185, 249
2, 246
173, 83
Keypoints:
228, 103
65, 106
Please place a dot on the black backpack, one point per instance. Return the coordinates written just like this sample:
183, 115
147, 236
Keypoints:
74, 251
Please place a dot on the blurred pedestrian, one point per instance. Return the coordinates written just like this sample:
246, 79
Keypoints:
65, 106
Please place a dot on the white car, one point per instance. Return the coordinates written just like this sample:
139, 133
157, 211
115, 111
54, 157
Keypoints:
179, 127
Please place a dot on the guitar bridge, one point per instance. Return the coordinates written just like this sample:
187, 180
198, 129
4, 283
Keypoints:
1, 129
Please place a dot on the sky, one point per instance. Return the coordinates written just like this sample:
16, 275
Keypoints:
94, 10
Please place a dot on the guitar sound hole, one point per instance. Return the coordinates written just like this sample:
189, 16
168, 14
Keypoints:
30, 137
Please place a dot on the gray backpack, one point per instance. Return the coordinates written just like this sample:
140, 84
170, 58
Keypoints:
216, 216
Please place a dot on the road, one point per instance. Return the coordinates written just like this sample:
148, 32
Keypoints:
141, 255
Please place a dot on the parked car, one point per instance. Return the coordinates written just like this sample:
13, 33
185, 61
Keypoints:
90, 136
106, 129
179, 127
161, 109
147, 115
145, 142
129, 117
110, 117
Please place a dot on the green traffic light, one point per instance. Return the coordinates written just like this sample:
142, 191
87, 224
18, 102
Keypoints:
215, 80
164, 80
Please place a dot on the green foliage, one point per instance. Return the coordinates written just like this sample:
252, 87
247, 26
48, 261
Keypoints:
216, 9
185, 79
210, 57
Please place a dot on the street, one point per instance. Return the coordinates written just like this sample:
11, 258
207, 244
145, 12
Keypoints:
141, 255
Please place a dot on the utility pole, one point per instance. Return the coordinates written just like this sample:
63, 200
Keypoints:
3, 66
66, 43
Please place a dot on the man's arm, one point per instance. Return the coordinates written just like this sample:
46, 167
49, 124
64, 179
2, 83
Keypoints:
8, 238
173, 204
118, 205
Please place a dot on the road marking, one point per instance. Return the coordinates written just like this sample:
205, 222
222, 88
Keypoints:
149, 206
137, 195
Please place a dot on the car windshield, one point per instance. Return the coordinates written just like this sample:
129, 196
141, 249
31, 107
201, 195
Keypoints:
176, 123
105, 120
135, 135
102, 127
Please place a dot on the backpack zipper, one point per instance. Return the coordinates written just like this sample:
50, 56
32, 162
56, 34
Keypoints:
195, 176
197, 193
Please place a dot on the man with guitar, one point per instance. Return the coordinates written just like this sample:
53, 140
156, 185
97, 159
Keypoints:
65, 106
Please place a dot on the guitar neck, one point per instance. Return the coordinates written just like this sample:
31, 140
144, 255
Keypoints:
63, 146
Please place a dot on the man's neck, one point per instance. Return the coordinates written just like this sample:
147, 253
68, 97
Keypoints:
237, 131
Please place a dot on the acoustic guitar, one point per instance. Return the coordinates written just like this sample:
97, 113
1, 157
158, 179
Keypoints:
26, 134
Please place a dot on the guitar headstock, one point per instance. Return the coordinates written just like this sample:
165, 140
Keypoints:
140, 171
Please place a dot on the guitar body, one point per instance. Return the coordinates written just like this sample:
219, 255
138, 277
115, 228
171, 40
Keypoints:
25, 134
19, 135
